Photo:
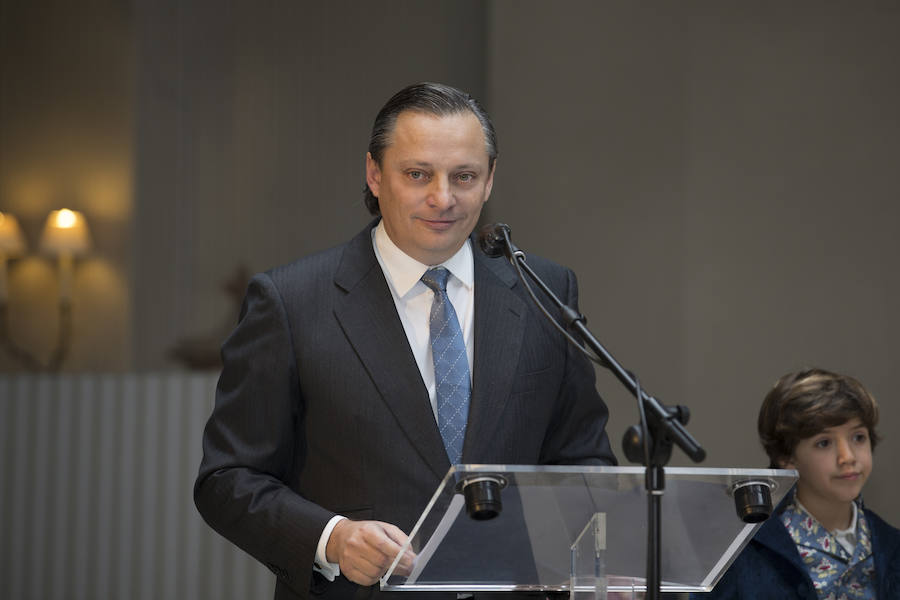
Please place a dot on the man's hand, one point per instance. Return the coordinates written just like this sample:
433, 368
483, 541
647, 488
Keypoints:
365, 549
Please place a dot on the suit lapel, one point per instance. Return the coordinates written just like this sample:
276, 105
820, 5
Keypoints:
499, 327
369, 318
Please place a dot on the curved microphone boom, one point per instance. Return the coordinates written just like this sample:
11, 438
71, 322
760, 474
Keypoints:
660, 427
495, 241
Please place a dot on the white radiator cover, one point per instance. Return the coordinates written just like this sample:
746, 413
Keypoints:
96, 497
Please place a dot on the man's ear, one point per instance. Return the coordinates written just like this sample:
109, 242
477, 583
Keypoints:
373, 175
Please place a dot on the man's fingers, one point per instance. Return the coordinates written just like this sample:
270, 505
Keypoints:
359, 576
404, 567
395, 533
365, 549
386, 538
360, 567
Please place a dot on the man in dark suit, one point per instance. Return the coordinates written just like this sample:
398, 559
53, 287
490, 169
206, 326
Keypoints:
330, 429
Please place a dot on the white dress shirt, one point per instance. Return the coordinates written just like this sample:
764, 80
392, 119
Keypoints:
847, 537
413, 301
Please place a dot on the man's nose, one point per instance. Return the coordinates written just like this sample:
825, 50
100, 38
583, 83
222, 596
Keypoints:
440, 194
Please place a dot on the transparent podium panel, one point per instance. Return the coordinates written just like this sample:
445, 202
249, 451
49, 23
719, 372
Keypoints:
536, 528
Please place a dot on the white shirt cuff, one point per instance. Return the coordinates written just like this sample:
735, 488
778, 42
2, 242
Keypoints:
328, 569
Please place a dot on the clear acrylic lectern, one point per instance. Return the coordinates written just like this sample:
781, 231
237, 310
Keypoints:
581, 530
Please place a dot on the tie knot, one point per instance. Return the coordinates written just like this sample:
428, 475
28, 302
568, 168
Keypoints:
436, 279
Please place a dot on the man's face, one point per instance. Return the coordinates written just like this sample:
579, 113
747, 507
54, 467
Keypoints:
833, 465
432, 182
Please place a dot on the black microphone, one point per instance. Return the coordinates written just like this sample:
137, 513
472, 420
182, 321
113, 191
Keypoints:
494, 239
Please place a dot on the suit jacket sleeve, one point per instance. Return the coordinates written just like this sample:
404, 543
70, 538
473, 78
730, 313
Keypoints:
251, 443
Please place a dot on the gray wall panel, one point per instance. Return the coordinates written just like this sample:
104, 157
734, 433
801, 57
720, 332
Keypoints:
99, 481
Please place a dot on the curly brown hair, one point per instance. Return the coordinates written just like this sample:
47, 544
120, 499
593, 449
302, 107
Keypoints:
804, 403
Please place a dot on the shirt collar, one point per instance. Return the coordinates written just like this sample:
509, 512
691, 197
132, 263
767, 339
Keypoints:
406, 271
852, 528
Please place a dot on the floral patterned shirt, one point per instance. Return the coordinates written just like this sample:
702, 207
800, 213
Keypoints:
835, 574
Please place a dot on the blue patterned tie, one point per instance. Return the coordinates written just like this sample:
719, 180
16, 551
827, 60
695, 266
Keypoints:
451, 365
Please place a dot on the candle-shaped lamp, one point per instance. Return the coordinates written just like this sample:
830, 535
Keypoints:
66, 236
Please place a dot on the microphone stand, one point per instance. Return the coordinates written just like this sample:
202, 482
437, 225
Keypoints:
663, 425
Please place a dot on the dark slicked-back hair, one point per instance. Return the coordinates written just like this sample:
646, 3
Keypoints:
431, 98
804, 403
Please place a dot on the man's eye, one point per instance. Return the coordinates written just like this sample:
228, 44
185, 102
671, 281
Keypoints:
860, 437
822, 444
416, 175
465, 177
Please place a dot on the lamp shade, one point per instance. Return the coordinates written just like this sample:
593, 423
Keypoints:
65, 232
12, 243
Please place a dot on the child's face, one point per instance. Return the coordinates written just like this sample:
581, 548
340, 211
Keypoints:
833, 465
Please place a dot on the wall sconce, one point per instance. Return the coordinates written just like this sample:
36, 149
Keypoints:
65, 236
12, 245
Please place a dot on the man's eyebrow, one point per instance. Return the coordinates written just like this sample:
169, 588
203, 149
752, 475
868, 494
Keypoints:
405, 164
414, 163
